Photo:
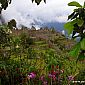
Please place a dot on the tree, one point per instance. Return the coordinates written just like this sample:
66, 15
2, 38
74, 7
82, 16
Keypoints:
76, 25
5, 3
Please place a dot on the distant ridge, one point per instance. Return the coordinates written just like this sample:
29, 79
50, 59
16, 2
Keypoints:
58, 26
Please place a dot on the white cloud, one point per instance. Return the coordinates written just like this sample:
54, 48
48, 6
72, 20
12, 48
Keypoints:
25, 12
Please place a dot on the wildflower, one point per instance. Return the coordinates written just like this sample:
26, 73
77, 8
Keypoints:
44, 82
57, 71
70, 78
31, 75
53, 72
53, 76
50, 75
62, 71
17, 46
42, 78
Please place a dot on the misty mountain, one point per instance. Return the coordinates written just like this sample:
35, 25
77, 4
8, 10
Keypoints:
58, 26
37, 23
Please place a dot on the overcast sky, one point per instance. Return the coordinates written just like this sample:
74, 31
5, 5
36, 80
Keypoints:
25, 12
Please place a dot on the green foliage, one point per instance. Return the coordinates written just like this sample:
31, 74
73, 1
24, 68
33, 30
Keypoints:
75, 51
38, 1
4, 35
80, 76
69, 27
11, 24
83, 44
23, 55
74, 3
77, 25
5, 3
26, 41
26, 54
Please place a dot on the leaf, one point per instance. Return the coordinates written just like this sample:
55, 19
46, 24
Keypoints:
80, 22
74, 3
31, 68
38, 1
32, 1
70, 16
69, 27
75, 51
75, 16
4, 4
76, 10
83, 44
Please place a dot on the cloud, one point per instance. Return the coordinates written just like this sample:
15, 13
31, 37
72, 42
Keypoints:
27, 13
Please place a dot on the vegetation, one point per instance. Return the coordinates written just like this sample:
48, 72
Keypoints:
77, 26
5, 3
36, 57
41, 57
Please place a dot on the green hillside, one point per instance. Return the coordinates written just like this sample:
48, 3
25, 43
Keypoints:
43, 53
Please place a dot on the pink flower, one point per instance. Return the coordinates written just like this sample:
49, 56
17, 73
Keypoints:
58, 72
53, 76
44, 82
70, 78
53, 72
31, 75
42, 78
50, 75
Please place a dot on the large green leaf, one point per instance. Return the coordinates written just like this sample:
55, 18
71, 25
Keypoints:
78, 21
74, 3
69, 27
83, 44
70, 16
75, 51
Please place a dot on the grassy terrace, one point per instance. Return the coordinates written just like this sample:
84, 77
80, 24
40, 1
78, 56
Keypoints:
38, 57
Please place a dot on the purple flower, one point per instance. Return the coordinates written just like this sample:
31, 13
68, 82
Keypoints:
42, 78
52, 76
31, 75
